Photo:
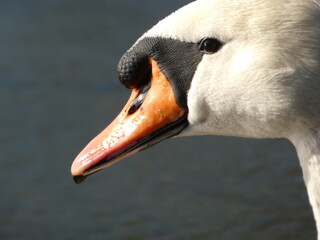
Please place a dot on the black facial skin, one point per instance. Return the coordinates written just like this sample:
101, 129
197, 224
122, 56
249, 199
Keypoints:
176, 59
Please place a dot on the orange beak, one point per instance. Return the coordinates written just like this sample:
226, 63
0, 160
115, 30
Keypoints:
139, 125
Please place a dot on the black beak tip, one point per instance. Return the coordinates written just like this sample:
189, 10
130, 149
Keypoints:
79, 179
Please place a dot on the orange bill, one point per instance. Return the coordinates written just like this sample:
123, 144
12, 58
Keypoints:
148, 118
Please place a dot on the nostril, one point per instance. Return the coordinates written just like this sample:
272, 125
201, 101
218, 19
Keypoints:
134, 107
136, 103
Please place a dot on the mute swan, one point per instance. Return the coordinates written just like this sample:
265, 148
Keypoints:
248, 68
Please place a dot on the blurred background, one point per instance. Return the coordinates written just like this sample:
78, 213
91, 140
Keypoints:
59, 88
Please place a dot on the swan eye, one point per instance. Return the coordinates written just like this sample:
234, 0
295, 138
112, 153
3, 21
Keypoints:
210, 45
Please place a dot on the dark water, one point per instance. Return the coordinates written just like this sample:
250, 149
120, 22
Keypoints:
58, 89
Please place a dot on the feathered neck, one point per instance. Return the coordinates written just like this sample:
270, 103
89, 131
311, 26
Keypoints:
308, 148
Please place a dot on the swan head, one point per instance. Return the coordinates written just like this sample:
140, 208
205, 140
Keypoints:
225, 67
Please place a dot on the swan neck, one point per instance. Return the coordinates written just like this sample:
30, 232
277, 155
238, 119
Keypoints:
308, 148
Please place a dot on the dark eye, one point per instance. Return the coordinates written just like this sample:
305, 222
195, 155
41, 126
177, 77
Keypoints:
210, 45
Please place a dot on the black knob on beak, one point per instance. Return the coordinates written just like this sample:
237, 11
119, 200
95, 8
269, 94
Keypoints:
134, 69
